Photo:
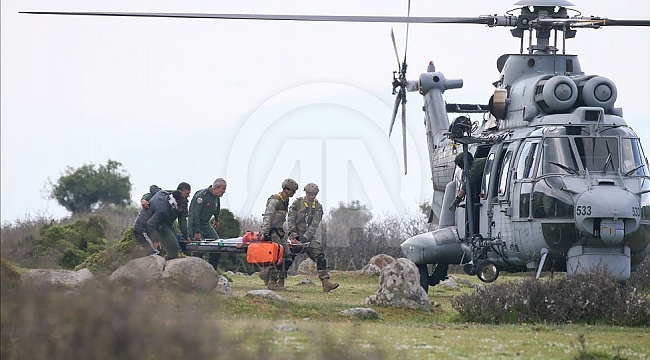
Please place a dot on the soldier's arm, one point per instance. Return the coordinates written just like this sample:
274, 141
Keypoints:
291, 219
182, 222
268, 215
315, 223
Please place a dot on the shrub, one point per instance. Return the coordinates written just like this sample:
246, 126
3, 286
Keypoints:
589, 298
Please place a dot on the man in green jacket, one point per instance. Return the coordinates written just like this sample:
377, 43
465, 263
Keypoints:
206, 204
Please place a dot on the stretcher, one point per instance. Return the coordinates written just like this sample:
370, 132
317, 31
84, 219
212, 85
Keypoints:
258, 250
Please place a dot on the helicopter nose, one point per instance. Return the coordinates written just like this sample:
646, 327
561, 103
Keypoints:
608, 212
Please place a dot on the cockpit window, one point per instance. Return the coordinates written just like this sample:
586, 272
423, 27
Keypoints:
598, 154
633, 161
557, 157
527, 160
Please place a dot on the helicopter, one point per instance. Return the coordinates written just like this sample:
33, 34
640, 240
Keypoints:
565, 183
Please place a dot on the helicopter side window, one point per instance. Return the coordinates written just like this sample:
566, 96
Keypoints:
503, 178
527, 160
558, 157
524, 200
598, 154
633, 161
486, 176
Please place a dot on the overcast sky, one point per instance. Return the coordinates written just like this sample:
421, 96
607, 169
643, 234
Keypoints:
257, 101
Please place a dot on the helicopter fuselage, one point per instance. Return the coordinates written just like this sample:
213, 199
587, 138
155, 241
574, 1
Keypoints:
565, 185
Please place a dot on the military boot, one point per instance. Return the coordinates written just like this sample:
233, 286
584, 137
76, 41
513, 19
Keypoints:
265, 274
276, 286
329, 286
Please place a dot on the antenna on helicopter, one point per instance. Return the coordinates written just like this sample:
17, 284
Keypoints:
399, 87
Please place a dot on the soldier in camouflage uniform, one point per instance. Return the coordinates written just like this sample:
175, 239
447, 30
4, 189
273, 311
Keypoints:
273, 221
206, 204
305, 215
180, 212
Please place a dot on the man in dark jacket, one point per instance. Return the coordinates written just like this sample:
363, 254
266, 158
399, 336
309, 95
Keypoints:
179, 213
151, 227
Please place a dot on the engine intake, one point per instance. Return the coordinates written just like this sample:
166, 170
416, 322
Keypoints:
597, 91
556, 93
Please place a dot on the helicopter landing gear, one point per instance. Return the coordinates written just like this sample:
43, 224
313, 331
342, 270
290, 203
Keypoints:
439, 274
469, 269
487, 271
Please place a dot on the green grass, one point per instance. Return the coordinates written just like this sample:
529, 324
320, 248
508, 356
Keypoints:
403, 333
160, 323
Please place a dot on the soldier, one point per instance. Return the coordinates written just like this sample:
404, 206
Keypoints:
206, 204
305, 215
475, 176
152, 227
179, 213
273, 221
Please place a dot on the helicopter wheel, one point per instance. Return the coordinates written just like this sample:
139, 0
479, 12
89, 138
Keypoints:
487, 271
469, 269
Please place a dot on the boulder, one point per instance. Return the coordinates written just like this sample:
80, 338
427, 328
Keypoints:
144, 270
56, 279
399, 286
265, 294
307, 267
371, 270
223, 286
376, 263
191, 273
361, 313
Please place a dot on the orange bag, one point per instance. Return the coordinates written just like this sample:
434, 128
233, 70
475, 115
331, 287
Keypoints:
265, 253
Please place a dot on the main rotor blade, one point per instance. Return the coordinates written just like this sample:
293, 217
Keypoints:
490, 20
406, 45
593, 22
404, 132
398, 100
392, 36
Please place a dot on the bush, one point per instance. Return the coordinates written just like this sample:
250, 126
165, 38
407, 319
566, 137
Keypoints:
589, 298
640, 279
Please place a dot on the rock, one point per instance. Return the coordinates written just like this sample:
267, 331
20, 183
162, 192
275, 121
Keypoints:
381, 260
307, 267
223, 287
306, 282
191, 273
450, 283
371, 270
376, 263
361, 313
144, 270
286, 327
266, 294
399, 286
55, 279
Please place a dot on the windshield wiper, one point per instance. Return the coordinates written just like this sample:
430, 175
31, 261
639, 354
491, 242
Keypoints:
564, 167
634, 170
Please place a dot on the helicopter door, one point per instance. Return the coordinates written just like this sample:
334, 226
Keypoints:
524, 173
496, 188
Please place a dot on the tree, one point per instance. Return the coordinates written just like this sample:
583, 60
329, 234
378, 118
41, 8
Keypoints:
87, 188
